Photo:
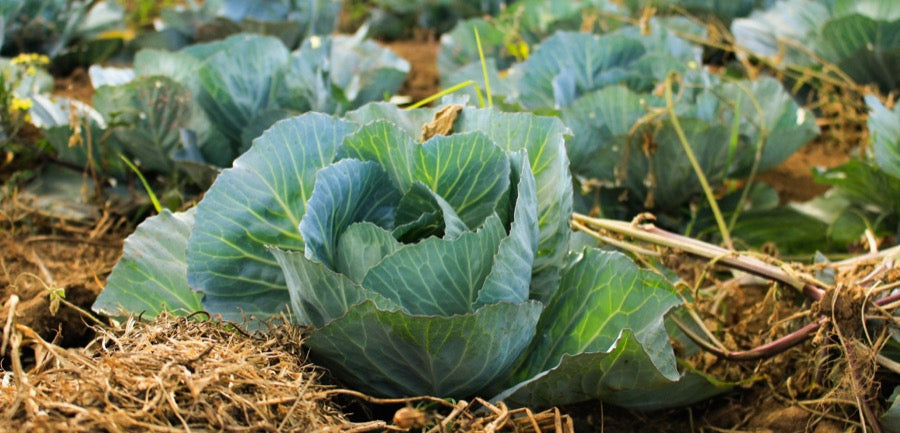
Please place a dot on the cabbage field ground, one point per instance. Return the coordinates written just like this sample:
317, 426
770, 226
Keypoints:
449, 216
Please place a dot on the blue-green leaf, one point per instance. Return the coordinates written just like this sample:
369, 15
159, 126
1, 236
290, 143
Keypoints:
603, 333
769, 116
884, 132
259, 202
422, 213
583, 61
386, 144
781, 31
236, 82
410, 121
395, 354
543, 138
147, 115
438, 276
890, 420
361, 247
151, 277
601, 123
510, 278
319, 295
467, 170
346, 192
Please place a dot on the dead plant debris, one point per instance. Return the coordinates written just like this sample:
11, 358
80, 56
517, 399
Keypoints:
171, 375
178, 374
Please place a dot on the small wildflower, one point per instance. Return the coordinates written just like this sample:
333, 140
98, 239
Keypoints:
30, 59
31, 70
21, 104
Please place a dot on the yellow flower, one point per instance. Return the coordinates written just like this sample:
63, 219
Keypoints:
20, 104
31, 70
30, 59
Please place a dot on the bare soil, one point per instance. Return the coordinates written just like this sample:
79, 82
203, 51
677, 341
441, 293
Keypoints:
423, 79
793, 179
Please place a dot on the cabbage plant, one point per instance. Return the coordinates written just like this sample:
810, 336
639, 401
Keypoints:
291, 21
205, 103
68, 31
859, 37
435, 266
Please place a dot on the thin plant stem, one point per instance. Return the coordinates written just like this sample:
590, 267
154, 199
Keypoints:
487, 80
720, 221
150, 193
614, 242
449, 91
760, 147
731, 259
767, 350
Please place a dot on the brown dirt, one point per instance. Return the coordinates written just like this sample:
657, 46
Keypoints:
423, 80
76, 85
793, 179
42, 255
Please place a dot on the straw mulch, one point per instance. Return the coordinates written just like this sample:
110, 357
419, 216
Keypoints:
178, 374
171, 375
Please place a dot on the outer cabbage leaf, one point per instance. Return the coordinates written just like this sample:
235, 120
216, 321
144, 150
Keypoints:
146, 116
784, 30
290, 20
865, 183
867, 49
880, 9
396, 354
237, 82
364, 70
601, 336
310, 304
767, 114
151, 277
884, 130
259, 202
410, 121
890, 420
109, 75
725, 11
665, 179
338, 73
52, 114
601, 122
459, 48
861, 38
179, 66
617, 143
568, 65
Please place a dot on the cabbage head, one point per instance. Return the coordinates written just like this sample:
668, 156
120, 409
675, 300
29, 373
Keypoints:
416, 265
436, 266
411, 261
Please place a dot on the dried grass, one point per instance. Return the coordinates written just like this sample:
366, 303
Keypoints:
172, 375
177, 374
